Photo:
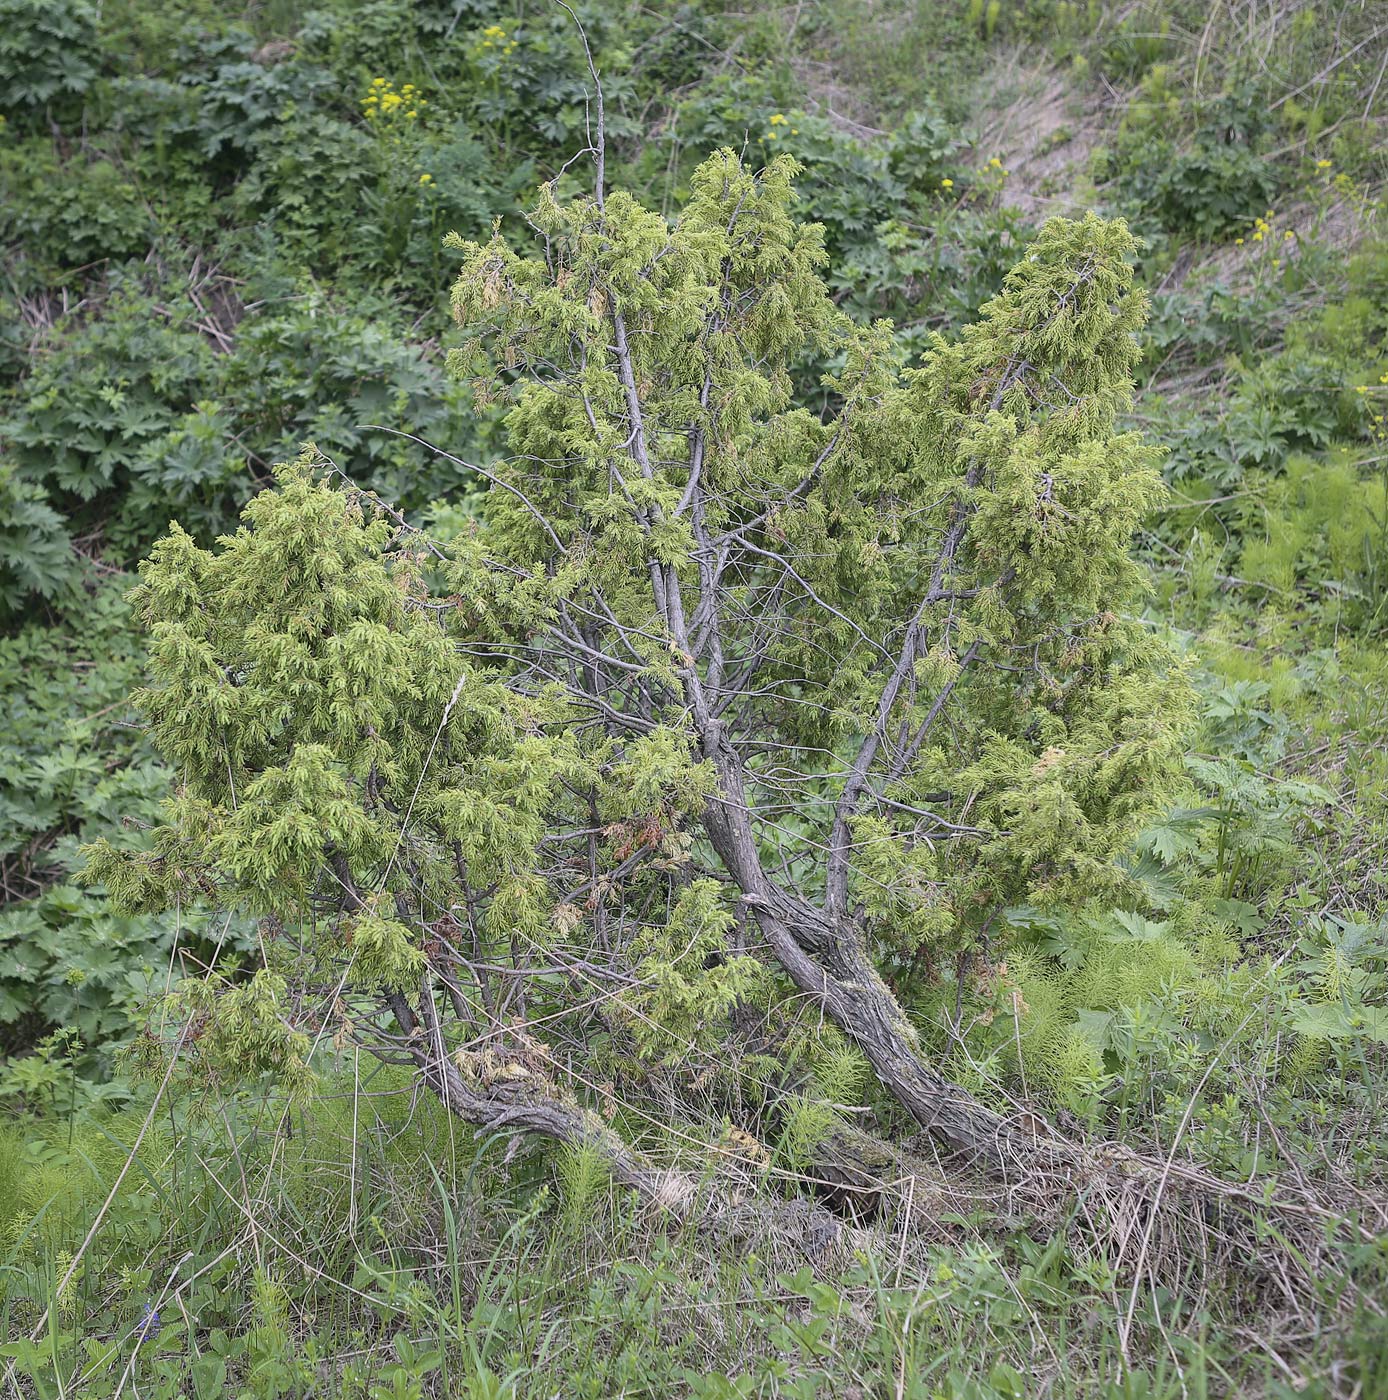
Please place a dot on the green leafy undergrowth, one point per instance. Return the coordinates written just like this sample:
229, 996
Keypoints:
143, 416
1280, 495
74, 765
437, 1269
1249, 984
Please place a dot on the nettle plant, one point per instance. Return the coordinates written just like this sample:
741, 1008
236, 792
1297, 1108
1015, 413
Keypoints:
722, 716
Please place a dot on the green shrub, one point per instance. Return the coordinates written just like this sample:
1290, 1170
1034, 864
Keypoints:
49, 58
73, 764
71, 213
1210, 184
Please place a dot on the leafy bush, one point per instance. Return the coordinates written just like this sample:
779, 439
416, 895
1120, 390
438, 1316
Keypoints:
98, 412
49, 56
1282, 483
72, 212
127, 421
34, 545
73, 765
309, 693
1206, 185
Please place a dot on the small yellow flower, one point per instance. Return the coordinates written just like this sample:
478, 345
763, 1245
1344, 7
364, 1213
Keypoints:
1287, 235
995, 163
1324, 164
1383, 378
426, 179
1258, 236
778, 120
1238, 242
946, 184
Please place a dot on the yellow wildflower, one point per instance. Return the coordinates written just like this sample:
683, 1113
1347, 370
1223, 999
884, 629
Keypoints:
946, 184
426, 179
1324, 164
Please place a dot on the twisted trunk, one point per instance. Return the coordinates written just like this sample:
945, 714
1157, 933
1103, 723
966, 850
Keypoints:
517, 1098
828, 961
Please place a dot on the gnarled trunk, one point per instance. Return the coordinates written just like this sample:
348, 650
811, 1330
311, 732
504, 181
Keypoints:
828, 961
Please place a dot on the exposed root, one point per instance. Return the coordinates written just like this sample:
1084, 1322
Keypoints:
705, 1200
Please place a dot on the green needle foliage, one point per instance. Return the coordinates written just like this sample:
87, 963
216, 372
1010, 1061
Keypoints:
736, 754
722, 700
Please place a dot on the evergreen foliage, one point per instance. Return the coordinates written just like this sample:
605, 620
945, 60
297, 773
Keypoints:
699, 628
